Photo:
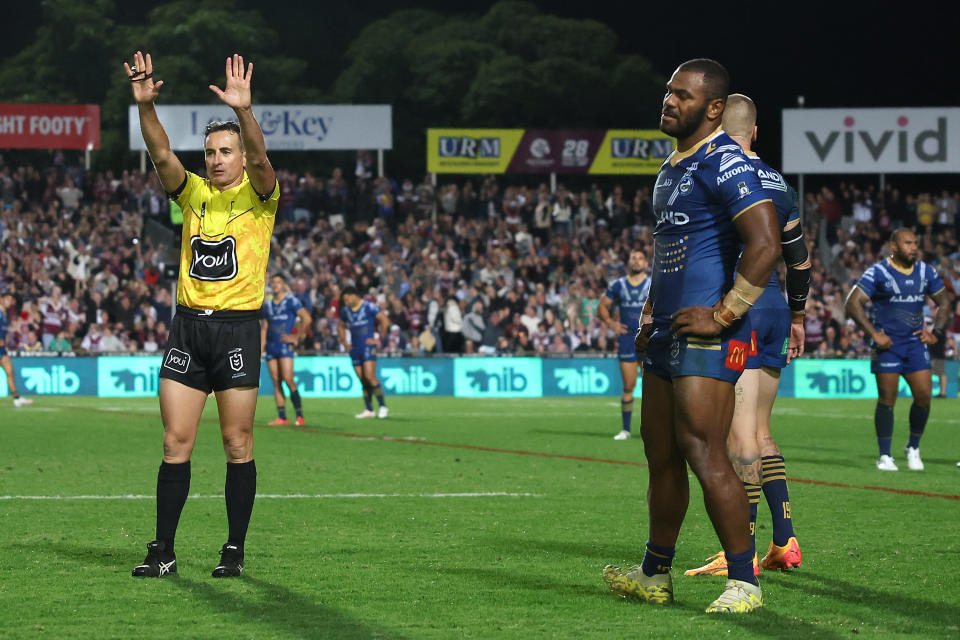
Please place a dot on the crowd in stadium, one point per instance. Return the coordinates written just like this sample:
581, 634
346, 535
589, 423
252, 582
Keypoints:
475, 265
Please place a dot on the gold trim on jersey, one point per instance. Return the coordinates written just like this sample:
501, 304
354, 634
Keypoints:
744, 210
678, 156
904, 271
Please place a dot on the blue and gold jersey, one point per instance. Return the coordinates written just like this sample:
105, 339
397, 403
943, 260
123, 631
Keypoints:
629, 299
362, 322
280, 316
785, 200
899, 297
698, 195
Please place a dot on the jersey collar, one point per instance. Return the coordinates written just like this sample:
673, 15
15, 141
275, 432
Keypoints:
678, 156
906, 272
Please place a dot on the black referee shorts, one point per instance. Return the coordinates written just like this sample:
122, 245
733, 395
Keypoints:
213, 351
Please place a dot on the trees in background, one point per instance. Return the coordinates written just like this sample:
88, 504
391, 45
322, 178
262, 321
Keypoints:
511, 67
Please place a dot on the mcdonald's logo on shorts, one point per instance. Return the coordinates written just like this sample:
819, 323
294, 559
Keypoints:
753, 344
736, 355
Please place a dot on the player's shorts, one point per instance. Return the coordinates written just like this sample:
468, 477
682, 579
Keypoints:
723, 357
3, 351
362, 353
902, 358
213, 351
769, 338
279, 350
626, 348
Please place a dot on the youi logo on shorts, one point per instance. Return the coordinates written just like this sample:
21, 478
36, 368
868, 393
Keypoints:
213, 260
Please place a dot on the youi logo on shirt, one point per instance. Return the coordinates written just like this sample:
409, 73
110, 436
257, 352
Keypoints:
213, 260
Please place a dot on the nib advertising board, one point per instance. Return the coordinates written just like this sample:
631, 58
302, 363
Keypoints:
541, 151
466, 377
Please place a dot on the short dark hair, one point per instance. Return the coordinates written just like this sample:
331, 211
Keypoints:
223, 125
716, 79
351, 290
278, 275
895, 236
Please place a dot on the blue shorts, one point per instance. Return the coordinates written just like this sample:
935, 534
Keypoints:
723, 357
362, 353
903, 357
3, 351
626, 348
769, 338
279, 350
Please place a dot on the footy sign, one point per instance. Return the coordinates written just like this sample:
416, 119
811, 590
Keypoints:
49, 126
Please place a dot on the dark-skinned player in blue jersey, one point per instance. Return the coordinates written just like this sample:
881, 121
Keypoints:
898, 287
695, 335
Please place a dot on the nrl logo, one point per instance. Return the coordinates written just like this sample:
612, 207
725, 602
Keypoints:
235, 358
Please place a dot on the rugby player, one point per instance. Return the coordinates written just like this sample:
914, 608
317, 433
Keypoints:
6, 303
695, 335
628, 294
776, 338
278, 340
360, 316
898, 287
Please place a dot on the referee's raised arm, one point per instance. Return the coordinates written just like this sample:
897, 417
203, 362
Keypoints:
237, 96
145, 91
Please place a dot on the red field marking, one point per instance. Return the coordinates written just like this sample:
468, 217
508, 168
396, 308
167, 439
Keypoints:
822, 483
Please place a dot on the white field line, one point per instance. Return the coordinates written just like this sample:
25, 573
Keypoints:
294, 496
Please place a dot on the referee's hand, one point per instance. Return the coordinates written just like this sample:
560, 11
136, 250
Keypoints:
236, 93
140, 75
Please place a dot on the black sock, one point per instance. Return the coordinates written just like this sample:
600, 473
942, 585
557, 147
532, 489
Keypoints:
240, 490
883, 424
173, 486
918, 422
297, 405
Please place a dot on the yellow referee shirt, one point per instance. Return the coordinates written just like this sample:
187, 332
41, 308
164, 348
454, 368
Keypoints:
225, 244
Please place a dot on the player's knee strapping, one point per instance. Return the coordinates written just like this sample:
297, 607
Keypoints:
883, 423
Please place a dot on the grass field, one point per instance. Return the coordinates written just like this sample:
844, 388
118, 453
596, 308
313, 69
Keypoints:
457, 518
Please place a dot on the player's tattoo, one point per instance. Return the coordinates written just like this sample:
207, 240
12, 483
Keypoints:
748, 469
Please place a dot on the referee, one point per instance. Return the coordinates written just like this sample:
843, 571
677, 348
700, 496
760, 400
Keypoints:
214, 340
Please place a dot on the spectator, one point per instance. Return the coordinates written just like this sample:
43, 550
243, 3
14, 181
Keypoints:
474, 324
61, 343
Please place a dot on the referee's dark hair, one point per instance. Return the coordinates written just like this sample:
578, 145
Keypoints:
223, 125
716, 79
